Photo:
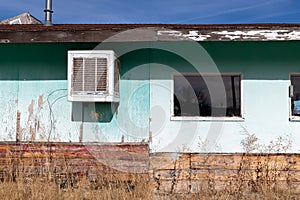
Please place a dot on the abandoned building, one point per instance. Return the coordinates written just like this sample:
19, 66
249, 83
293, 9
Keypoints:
170, 85
149, 93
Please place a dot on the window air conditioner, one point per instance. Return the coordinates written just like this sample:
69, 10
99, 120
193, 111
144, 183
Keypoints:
93, 76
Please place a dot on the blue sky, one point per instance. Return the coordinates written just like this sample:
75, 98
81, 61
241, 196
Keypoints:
159, 11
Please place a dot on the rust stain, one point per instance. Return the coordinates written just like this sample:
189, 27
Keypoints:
37, 124
30, 109
150, 136
32, 133
40, 101
117, 111
80, 132
18, 129
95, 116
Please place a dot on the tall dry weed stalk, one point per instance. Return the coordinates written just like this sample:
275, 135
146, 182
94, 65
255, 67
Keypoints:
261, 172
38, 188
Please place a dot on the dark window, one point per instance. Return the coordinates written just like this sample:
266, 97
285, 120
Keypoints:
207, 95
295, 81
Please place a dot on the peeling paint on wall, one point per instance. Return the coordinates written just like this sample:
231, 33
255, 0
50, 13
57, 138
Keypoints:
191, 35
236, 35
40, 101
146, 89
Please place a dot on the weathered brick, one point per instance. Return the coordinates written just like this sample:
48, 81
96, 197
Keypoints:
181, 186
163, 160
172, 174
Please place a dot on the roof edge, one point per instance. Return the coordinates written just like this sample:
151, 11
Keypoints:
29, 33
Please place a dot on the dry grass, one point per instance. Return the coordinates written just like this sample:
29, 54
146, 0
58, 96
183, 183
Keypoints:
40, 188
259, 176
264, 181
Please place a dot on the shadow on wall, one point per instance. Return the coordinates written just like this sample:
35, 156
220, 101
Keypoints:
94, 112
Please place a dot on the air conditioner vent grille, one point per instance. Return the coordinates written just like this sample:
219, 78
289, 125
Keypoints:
89, 75
102, 74
78, 74
93, 76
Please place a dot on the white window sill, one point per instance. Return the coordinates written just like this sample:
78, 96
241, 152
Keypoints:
208, 119
294, 118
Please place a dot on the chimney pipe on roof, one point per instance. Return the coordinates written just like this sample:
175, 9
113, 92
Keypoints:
48, 13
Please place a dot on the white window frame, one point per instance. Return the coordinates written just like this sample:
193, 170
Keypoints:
206, 118
291, 116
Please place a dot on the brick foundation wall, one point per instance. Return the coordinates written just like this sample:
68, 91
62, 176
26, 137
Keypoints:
169, 173
193, 173
61, 159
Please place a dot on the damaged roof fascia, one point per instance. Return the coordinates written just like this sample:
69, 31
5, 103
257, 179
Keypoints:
150, 32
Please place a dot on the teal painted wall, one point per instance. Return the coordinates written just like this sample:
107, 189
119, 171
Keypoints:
265, 68
273, 60
33, 81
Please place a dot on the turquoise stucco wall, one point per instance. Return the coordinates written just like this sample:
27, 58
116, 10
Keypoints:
265, 68
33, 81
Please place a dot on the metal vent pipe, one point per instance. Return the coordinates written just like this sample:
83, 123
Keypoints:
48, 13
